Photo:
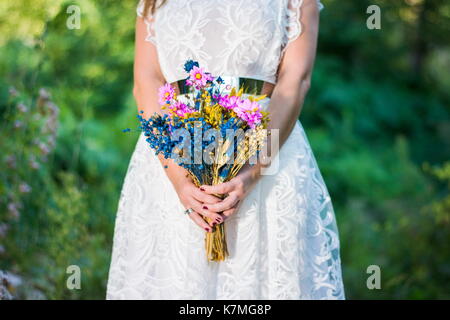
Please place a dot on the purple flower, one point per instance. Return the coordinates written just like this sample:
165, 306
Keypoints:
13, 92
180, 109
22, 107
11, 161
3, 230
228, 102
33, 163
44, 94
18, 124
24, 188
53, 108
13, 209
43, 148
249, 111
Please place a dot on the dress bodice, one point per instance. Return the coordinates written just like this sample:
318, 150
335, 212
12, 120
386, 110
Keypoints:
245, 38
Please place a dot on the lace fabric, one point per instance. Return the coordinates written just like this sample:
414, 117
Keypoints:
231, 38
292, 22
148, 22
284, 241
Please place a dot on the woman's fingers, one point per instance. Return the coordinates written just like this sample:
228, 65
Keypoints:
205, 204
205, 197
228, 203
222, 188
231, 211
200, 221
203, 210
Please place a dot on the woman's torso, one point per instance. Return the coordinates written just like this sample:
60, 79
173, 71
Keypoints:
235, 37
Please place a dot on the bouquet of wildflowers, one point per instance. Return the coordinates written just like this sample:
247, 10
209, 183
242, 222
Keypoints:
210, 133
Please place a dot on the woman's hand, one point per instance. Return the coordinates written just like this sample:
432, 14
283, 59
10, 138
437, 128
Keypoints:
191, 197
237, 189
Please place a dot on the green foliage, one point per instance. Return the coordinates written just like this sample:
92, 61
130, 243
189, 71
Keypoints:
377, 117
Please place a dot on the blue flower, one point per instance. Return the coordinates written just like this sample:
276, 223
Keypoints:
189, 65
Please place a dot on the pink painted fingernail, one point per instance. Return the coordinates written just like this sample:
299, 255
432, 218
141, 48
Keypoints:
214, 223
207, 229
205, 207
202, 189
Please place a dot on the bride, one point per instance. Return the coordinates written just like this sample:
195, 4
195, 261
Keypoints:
281, 229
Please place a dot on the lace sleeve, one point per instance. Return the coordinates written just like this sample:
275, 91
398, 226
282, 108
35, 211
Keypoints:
148, 22
293, 26
320, 5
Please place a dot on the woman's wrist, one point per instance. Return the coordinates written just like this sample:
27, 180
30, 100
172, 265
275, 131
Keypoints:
177, 175
251, 173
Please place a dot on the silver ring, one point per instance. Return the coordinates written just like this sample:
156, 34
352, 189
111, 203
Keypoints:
188, 211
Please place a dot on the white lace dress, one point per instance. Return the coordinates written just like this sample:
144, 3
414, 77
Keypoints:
284, 241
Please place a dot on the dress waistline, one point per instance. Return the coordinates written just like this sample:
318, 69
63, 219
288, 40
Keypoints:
249, 85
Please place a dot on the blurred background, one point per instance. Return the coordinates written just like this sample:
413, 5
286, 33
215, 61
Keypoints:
377, 116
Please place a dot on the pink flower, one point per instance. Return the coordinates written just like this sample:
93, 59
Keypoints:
249, 111
166, 94
180, 109
198, 77
229, 102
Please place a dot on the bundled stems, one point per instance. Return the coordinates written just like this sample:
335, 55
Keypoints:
216, 243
